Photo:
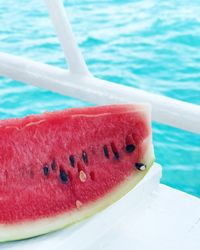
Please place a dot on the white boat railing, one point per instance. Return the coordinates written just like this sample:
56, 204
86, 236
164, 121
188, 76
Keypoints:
79, 83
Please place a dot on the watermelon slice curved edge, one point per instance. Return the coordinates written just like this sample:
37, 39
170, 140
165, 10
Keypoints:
61, 167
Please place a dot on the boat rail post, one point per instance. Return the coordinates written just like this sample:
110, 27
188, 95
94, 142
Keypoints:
66, 37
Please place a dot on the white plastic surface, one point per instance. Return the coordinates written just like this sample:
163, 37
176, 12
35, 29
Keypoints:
151, 216
171, 221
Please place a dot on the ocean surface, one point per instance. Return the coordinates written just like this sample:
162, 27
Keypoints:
151, 45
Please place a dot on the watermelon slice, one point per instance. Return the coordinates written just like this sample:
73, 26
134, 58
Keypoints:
58, 168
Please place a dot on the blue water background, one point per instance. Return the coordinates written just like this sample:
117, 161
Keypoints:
151, 45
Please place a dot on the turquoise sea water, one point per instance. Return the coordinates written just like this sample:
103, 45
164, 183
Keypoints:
152, 45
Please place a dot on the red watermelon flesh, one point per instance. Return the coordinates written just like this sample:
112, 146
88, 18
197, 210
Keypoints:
60, 167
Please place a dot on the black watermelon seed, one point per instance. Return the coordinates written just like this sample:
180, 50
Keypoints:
84, 157
105, 150
53, 165
115, 151
140, 166
64, 176
46, 170
72, 160
130, 148
116, 155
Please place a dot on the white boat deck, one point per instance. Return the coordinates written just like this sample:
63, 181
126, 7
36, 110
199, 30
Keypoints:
170, 221
151, 216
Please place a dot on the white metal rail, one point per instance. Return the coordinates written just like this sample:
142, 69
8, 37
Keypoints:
79, 83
